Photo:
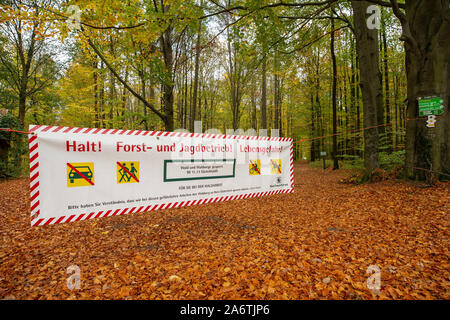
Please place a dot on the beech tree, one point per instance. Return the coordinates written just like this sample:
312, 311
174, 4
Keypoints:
368, 55
425, 26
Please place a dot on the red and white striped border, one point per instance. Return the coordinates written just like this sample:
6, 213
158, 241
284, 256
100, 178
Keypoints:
34, 174
38, 128
291, 174
34, 177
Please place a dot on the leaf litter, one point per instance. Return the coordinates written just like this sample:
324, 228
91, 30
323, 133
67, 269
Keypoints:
316, 243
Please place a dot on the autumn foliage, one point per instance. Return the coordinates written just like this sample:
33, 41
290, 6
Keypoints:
316, 243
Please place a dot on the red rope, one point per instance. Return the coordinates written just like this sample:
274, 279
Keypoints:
302, 140
17, 131
350, 131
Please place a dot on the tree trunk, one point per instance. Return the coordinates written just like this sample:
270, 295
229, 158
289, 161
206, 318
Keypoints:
143, 84
353, 96
196, 71
166, 45
22, 106
185, 116
95, 79
427, 45
313, 131
387, 88
264, 95
253, 101
368, 55
101, 96
396, 113
333, 58
276, 121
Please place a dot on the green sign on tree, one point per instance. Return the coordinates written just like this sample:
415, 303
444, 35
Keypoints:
430, 105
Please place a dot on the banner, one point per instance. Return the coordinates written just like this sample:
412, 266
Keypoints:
84, 173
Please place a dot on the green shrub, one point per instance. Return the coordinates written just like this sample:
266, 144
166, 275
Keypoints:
392, 161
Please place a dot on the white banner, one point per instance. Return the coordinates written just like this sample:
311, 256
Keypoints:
83, 173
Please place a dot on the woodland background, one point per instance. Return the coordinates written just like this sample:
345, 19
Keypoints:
299, 67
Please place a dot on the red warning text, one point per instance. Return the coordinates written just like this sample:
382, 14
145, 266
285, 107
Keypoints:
120, 146
87, 146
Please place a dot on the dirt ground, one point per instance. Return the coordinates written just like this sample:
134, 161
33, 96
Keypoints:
316, 243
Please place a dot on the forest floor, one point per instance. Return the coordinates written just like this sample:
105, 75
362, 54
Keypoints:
316, 243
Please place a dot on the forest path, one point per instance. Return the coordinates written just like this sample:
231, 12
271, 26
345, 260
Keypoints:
314, 243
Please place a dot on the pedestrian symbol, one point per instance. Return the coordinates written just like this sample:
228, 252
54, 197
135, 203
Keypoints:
127, 172
254, 168
275, 166
80, 174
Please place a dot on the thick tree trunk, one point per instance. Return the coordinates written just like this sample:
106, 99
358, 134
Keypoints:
427, 45
368, 55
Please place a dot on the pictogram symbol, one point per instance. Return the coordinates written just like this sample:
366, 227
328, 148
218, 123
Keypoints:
127, 172
254, 168
80, 174
275, 166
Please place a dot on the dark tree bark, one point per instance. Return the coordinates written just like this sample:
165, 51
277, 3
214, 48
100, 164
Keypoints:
185, 122
167, 50
112, 88
276, 121
425, 27
387, 90
143, 94
196, 72
313, 132
253, 101
101, 102
264, 95
397, 114
95, 79
124, 94
368, 55
235, 80
333, 58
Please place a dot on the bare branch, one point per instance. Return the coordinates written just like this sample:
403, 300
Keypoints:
126, 85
